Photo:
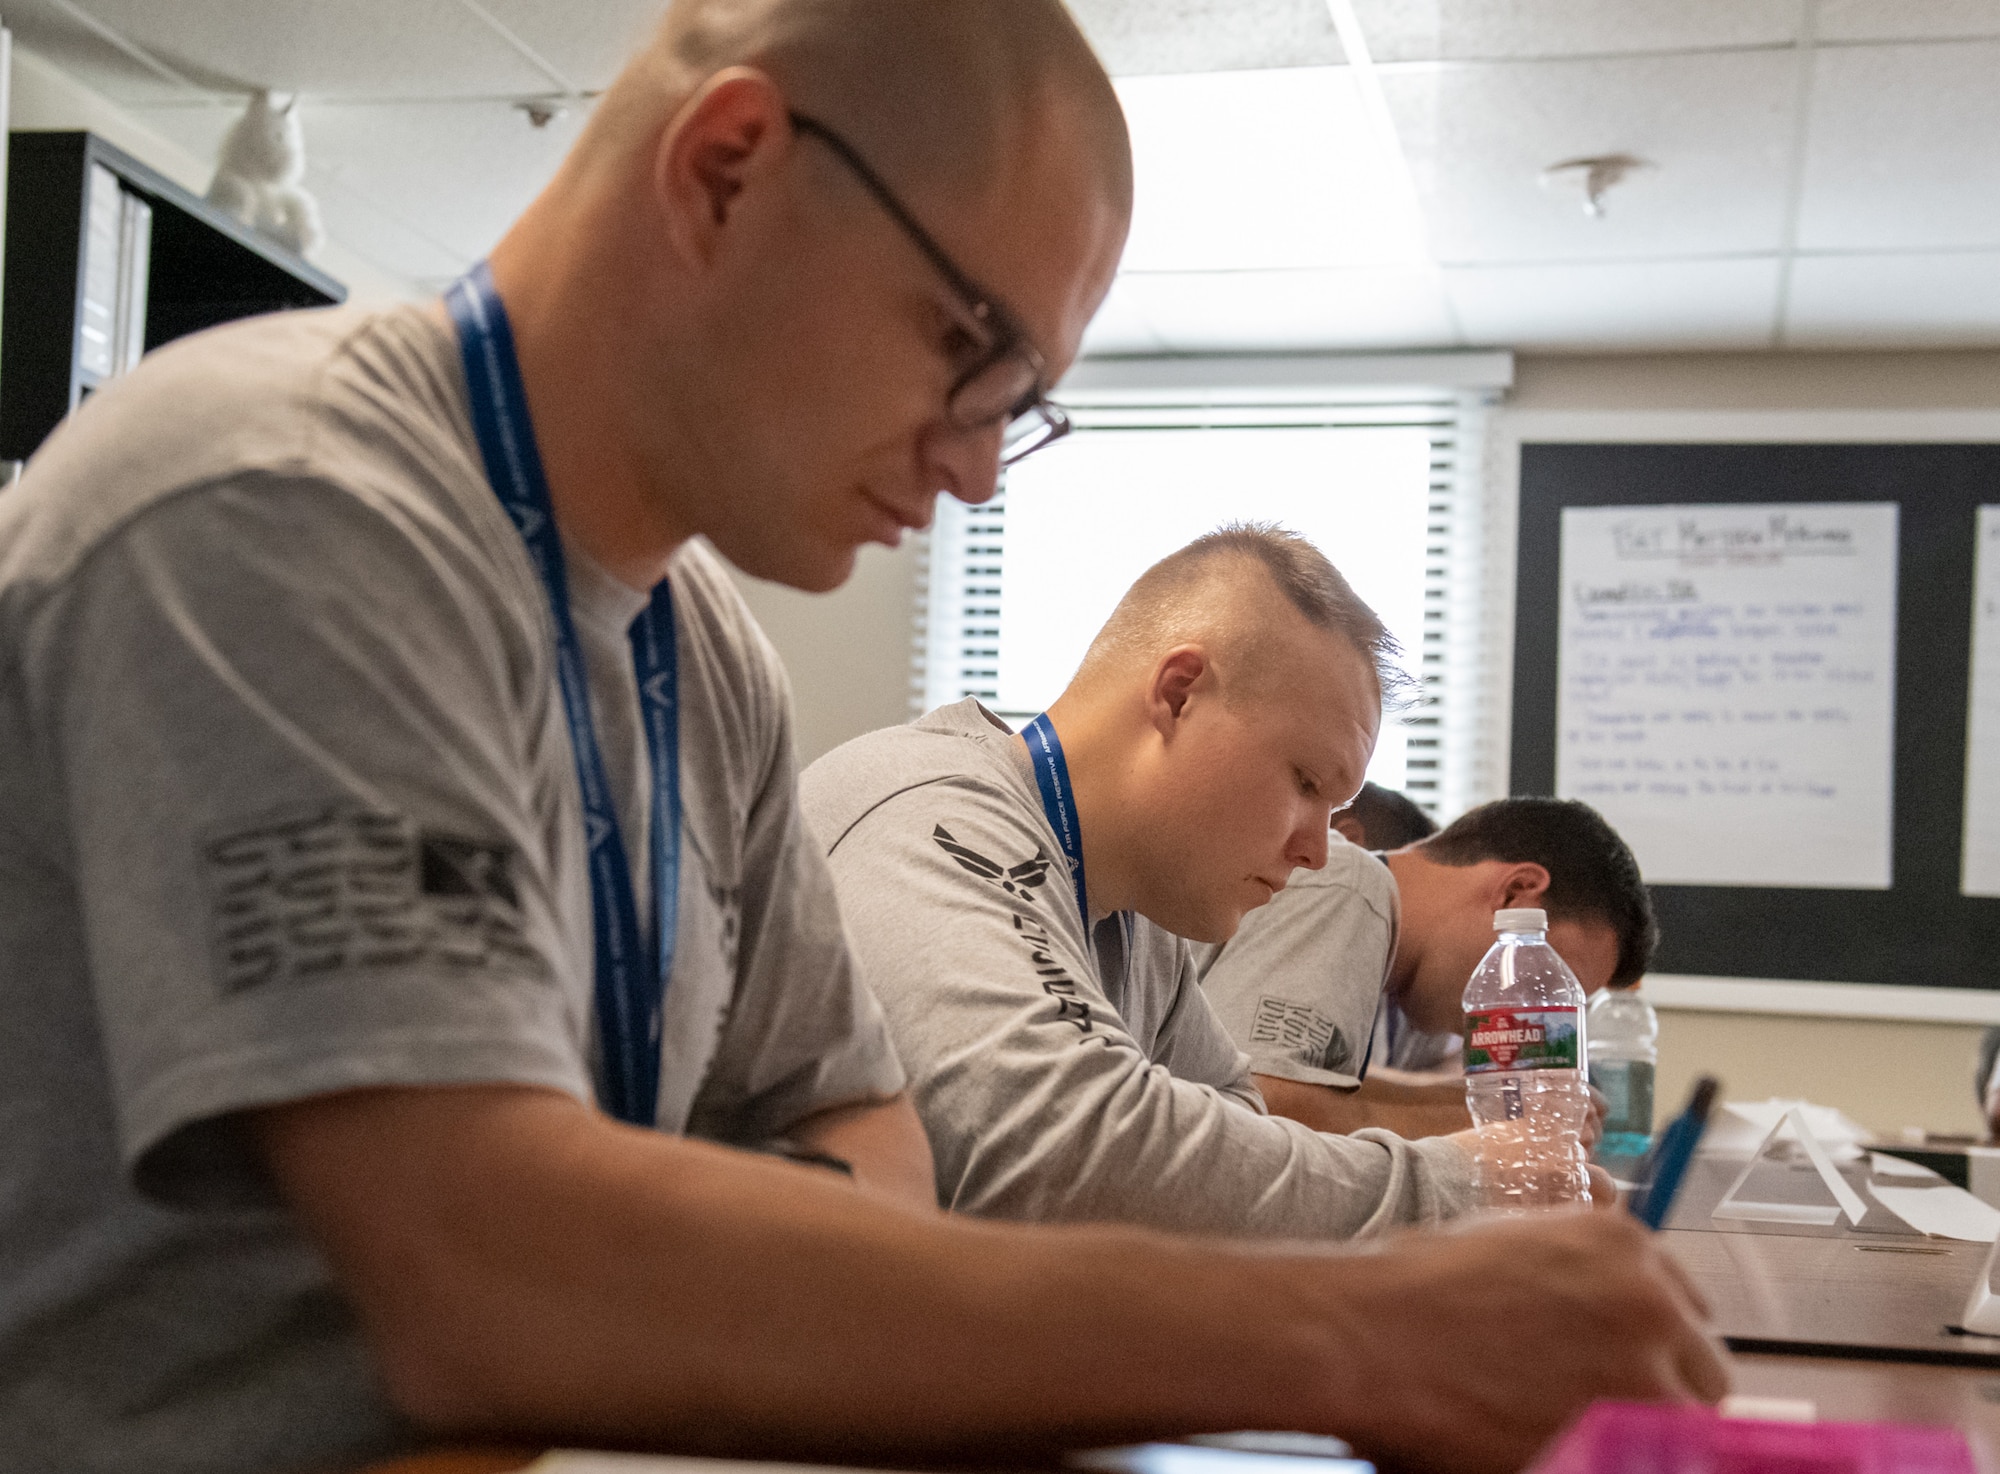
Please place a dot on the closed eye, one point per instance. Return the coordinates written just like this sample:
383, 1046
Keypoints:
961, 342
1307, 784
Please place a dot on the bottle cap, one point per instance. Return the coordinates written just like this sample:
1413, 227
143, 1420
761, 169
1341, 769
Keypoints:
1521, 918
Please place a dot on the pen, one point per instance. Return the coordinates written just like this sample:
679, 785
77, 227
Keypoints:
1670, 1157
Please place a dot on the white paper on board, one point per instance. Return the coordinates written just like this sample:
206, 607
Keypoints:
1726, 687
1982, 735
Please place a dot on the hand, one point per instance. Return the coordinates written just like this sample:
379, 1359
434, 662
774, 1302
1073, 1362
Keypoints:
1603, 1188
1592, 1129
1545, 1314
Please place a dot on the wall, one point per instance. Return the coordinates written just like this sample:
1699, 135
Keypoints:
1886, 1074
47, 99
848, 652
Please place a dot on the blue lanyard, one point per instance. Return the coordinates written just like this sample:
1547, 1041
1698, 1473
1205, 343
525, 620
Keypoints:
1058, 802
631, 973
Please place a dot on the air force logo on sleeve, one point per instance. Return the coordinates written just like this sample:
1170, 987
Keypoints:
1016, 880
1022, 881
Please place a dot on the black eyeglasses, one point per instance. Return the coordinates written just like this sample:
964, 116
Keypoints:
1005, 385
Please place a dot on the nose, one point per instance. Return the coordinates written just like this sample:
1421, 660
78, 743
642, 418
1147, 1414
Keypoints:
965, 463
1308, 840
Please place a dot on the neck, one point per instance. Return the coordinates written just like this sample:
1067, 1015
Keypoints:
1096, 761
563, 291
1404, 866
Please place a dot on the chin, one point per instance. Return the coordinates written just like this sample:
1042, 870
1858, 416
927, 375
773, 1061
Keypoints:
1208, 928
809, 569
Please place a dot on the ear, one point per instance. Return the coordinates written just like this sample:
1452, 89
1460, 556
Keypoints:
1522, 883
1178, 677
730, 135
1349, 828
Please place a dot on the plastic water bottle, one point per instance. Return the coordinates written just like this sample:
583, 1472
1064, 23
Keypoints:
1624, 1048
1524, 1056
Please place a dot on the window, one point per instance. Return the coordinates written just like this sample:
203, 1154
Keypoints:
1382, 482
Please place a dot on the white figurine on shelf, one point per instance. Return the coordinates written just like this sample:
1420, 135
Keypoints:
258, 174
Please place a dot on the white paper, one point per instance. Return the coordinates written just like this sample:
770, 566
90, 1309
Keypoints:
1880, 1167
1738, 1127
1982, 736
1726, 687
1943, 1212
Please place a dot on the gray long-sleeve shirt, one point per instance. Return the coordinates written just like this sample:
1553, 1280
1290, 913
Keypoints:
1064, 1075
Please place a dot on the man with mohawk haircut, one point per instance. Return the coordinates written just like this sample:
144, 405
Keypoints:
421, 1013
1019, 905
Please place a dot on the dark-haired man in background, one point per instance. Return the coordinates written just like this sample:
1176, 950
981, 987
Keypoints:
1382, 819
1301, 984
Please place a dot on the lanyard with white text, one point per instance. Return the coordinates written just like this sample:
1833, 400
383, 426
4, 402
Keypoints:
631, 976
1058, 801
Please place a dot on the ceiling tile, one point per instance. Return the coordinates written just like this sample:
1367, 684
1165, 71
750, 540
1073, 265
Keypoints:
1255, 170
402, 238
356, 48
1426, 30
1905, 20
1151, 37
589, 44
1276, 311
1910, 301
1902, 150
1618, 306
460, 171
1717, 129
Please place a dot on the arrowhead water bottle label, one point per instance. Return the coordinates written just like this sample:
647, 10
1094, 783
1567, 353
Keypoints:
1520, 1039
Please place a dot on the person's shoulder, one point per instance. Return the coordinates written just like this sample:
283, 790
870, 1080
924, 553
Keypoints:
342, 397
956, 748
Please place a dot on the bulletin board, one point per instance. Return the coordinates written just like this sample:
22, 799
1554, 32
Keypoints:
1831, 873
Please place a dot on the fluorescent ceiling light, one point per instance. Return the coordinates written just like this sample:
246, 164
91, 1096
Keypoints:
1266, 170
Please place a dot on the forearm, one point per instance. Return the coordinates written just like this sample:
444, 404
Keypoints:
551, 1274
1111, 1142
1411, 1111
883, 1142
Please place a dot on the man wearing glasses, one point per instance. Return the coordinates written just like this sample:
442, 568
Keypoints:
407, 914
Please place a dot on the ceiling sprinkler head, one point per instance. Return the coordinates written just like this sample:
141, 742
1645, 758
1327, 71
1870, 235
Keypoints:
1595, 175
541, 111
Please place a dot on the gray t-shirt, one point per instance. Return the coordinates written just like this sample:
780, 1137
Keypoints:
1065, 1076
288, 806
1299, 983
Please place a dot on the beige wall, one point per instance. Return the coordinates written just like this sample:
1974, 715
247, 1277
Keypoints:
1888, 1076
1757, 381
848, 652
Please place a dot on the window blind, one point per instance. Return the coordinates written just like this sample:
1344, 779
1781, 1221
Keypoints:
957, 638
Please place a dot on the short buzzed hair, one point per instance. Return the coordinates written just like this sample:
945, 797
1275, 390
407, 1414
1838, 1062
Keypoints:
1301, 573
1593, 874
930, 91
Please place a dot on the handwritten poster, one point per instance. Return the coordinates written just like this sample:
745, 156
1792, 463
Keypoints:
1982, 737
1726, 688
